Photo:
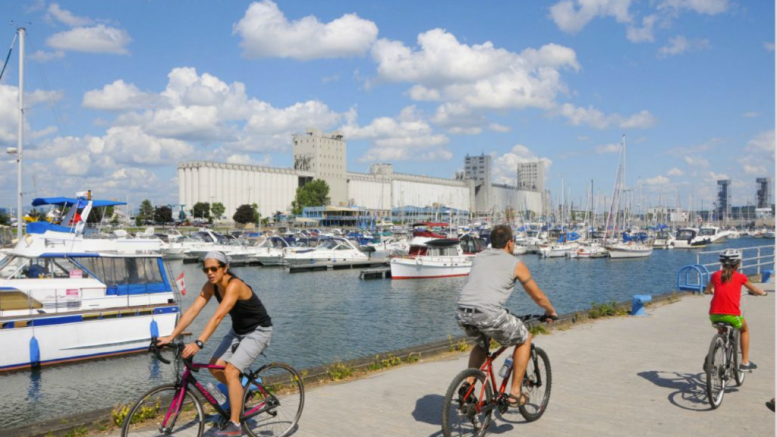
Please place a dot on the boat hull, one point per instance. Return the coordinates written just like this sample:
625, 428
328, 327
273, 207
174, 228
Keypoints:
66, 339
623, 253
419, 268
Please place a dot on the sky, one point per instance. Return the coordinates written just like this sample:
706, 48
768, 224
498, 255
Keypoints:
118, 93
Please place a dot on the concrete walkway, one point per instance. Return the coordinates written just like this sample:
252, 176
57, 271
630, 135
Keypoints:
627, 376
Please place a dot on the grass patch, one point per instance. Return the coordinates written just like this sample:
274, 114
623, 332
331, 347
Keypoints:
459, 346
338, 371
81, 431
538, 329
413, 357
385, 363
606, 309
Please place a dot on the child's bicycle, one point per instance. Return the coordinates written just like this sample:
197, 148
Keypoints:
467, 408
272, 402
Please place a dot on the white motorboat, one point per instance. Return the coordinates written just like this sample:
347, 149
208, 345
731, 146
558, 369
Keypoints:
664, 240
689, 238
61, 301
270, 251
390, 246
589, 250
557, 250
713, 233
439, 258
334, 250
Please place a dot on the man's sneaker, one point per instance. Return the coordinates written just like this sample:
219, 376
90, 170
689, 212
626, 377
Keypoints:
749, 366
232, 429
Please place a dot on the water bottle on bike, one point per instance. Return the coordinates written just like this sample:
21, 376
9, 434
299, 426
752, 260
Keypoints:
506, 368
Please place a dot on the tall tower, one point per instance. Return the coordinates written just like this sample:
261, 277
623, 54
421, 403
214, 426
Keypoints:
323, 154
478, 169
763, 193
531, 176
724, 199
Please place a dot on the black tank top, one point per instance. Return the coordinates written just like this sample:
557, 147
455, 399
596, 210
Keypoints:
247, 314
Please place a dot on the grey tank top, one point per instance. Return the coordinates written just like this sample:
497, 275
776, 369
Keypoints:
491, 281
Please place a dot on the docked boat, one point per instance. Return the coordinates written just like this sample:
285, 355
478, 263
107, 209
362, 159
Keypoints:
438, 258
713, 233
270, 251
333, 250
664, 240
638, 245
689, 238
589, 250
62, 301
566, 243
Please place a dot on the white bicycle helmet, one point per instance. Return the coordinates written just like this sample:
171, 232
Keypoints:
730, 257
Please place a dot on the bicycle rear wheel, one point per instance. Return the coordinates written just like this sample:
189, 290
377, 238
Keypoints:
146, 417
279, 399
739, 375
536, 383
468, 416
716, 372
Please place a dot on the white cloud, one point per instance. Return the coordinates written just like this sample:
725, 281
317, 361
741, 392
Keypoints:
769, 46
756, 170
408, 137
696, 161
496, 127
657, 181
117, 96
66, 17
130, 145
266, 32
583, 138
572, 16
43, 56
96, 39
597, 119
708, 7
478, 76
717, 176
645, 33
9, 112
419, 92
751, 114
763, 142
674, 172
506, 166
608, 148
75, 164
246, 159
680, 44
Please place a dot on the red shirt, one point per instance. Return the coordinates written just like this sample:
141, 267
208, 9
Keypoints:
727, 296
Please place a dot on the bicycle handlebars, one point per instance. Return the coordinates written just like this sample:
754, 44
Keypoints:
177, 345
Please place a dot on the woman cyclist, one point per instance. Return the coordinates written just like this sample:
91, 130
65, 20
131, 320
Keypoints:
249, 336
726, 284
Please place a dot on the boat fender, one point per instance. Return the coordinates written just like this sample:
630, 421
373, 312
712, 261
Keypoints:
34, 352
154, 329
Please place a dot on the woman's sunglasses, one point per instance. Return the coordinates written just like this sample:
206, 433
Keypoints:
210, 269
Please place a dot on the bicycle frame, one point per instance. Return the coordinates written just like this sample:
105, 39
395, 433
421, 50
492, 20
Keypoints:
189, 379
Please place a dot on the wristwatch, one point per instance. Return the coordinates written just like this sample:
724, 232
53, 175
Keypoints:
199, 344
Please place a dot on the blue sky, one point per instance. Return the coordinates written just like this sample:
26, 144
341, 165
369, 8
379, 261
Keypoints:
117, 93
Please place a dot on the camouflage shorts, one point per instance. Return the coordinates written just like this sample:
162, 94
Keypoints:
503, 327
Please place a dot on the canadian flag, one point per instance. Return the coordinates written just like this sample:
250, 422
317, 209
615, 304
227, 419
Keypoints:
181, 284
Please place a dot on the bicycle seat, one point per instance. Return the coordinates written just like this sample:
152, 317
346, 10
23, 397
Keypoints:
723, 325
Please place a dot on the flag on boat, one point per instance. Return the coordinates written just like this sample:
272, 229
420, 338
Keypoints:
181, 284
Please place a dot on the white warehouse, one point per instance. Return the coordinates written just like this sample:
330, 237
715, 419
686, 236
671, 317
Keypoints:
322, 156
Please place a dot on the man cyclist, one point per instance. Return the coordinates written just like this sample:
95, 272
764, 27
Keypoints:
726, 288
249, 336
480, 306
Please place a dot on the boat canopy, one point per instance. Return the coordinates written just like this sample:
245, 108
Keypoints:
70, 201
442, 242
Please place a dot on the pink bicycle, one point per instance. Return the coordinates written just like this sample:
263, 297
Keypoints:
272, 402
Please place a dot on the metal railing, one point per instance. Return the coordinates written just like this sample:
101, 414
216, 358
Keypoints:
752, 258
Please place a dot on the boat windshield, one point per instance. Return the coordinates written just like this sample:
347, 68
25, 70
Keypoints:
664, 235
707, 231
39, 268
686, 234
443, 251
327, 245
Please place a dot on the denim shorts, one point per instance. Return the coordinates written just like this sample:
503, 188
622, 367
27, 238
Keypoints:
242, 350
503, 327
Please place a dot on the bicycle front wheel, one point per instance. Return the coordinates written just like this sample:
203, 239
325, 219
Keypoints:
273, 401
739, 375
467, 411
152, 415
716, 372
536, 384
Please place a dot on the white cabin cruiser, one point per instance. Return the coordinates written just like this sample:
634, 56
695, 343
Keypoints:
439, 258
270, 251
689, 238
664, 240
714, 233
59, 304
334, 250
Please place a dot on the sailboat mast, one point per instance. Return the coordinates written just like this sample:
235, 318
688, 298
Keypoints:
21, 31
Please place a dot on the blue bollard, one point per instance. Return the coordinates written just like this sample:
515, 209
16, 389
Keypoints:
638, 304
766, 275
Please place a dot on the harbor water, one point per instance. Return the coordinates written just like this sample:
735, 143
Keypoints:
322, 317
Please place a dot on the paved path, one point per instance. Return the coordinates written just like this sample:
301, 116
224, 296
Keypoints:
628, 376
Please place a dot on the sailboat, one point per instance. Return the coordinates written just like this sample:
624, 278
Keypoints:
628, 247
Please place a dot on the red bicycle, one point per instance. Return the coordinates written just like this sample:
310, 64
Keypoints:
272, 402
468, 407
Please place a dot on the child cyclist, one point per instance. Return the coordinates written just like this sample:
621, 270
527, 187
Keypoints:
726, 287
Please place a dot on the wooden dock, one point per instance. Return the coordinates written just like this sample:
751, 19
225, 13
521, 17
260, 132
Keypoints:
336, 265
379, 273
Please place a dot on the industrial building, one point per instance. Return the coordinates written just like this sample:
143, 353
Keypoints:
724, 199
763, 194
319, 155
